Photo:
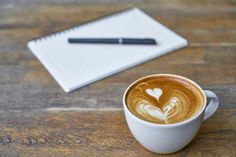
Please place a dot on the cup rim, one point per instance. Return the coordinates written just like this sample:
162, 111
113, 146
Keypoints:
165, 125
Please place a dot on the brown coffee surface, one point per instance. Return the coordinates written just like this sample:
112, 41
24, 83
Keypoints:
164, 99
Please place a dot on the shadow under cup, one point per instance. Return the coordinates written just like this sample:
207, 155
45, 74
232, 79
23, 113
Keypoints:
164, 138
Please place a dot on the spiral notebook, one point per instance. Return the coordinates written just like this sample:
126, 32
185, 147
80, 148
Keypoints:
76, 65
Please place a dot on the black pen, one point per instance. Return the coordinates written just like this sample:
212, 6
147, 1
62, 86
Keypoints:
121, 41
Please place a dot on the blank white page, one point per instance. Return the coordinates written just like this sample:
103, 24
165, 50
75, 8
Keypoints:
76, 65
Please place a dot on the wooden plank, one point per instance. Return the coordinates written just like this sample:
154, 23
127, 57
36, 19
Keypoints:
161, 4
101, 134
191, 55
197, 28
35, 97
26, 85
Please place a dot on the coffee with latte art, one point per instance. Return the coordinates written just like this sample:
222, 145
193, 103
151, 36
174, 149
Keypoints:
164, 99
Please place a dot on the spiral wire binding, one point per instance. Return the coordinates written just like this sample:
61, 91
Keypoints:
106, 17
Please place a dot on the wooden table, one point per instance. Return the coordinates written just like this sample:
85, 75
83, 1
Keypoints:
37, 118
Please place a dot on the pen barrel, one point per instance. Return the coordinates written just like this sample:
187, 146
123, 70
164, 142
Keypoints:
122, 41
145, 41
94, 41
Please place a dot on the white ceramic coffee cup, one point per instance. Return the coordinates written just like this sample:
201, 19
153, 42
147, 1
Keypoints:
169, 138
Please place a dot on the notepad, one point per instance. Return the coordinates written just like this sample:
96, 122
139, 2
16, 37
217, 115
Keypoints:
76, 65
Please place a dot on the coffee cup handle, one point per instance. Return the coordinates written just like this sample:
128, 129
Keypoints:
212, 105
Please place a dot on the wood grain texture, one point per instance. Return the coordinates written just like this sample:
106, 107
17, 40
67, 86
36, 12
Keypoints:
102, 133
33, 121
26, 80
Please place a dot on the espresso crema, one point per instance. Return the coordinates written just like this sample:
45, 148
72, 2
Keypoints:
164, 99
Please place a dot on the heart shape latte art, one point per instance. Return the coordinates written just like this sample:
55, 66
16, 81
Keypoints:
175, 108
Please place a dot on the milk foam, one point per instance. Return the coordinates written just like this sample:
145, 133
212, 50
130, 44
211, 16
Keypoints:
176, 107
164, 100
